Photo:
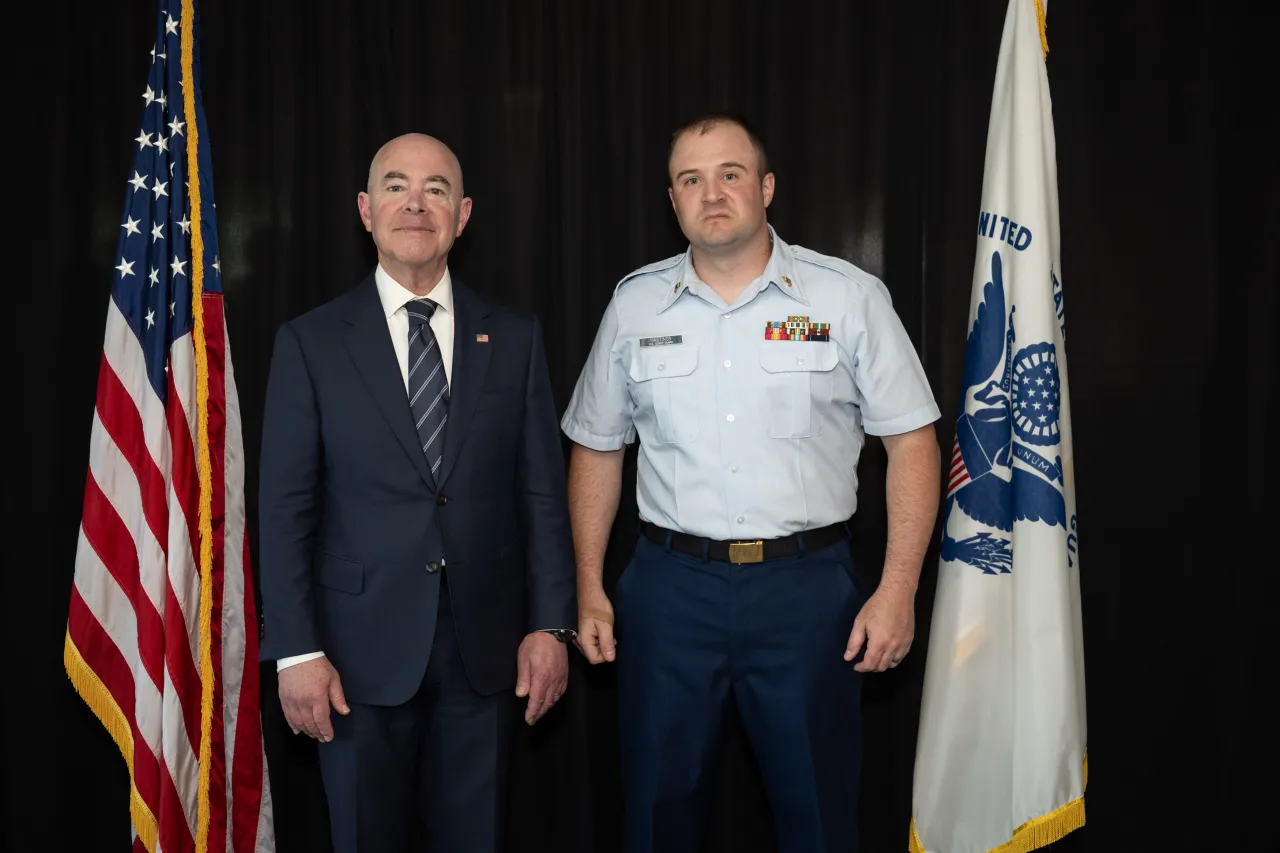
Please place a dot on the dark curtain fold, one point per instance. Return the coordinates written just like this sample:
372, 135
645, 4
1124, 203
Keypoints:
875, 116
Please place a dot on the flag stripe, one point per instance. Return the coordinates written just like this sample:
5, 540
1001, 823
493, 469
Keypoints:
246, 778
182, 669
175, 830
154, 744
113, 546
122, 351
121, 419
959, 474
178, 753
183, 575
244, 757
215, 337
92, 643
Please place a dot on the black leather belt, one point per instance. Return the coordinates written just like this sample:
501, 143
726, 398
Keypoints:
746, 550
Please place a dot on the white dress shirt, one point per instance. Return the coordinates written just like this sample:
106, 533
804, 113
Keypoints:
393, 296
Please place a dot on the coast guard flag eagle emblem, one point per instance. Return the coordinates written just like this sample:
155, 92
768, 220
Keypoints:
1000, 763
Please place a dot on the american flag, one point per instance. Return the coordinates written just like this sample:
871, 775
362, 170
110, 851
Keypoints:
162, 631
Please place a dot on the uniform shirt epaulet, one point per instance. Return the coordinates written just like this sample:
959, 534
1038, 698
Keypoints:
659, 266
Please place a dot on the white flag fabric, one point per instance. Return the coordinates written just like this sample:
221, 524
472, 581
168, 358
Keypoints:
1000, 762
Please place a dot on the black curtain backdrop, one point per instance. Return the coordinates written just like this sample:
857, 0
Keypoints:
875, 115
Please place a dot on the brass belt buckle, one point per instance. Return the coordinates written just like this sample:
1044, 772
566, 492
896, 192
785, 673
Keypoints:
746, 552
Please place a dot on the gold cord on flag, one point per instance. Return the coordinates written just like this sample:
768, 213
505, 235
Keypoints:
1041, 25
202, 427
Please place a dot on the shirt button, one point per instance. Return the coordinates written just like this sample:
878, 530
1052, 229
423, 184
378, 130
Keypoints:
733, 468
661, 366
728, 363
799, 361
728, 316
741, 519
729, 418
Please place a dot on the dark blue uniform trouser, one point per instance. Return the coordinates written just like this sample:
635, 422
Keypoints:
693, 631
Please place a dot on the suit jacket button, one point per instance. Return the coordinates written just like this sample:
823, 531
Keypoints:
433, 567
441, 500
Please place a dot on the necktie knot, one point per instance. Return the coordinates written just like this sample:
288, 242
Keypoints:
420, 311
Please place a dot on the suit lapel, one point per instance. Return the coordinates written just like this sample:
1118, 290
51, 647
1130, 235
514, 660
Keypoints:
369, 344
470, 363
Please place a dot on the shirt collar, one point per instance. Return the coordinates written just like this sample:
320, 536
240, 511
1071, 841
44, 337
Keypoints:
779, 272
394, 295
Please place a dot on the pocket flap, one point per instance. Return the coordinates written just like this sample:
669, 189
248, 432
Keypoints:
659, 362
339, 573
798, 356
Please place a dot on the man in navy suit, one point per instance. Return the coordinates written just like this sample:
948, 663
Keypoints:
415, 559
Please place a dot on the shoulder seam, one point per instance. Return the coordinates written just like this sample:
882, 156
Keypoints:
848, 270
659, 266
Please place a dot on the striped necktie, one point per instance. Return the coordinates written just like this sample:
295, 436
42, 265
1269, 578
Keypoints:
428, 386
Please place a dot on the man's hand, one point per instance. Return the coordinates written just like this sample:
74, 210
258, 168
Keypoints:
887, 623
595, 629
542, 673
306, 691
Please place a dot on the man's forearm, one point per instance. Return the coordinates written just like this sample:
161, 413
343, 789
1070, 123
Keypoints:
911, 485
595, 487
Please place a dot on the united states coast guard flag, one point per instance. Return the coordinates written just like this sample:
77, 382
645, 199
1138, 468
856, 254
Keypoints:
162, 634
1000, 763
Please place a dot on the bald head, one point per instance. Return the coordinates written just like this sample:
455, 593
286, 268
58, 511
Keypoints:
414, 207
416, 145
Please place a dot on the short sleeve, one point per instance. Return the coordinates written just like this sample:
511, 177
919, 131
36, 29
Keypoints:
894, 391
600, 412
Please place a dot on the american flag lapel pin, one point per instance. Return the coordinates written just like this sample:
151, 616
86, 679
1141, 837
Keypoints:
482, 339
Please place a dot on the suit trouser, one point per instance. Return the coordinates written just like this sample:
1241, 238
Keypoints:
425, 775
693, 632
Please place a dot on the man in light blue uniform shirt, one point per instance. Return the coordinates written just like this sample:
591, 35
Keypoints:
751, 371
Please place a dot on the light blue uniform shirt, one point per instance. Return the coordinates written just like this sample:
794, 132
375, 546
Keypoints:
743, 437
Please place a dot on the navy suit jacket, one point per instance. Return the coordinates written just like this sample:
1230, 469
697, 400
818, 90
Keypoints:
352, 524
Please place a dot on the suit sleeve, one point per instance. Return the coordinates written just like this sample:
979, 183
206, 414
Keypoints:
544, 510
288, 502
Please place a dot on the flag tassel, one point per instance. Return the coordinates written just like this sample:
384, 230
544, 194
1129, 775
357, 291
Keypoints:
104, 707
1035, 833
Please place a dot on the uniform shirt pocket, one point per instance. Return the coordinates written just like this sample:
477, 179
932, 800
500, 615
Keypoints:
798, 385
663, 381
